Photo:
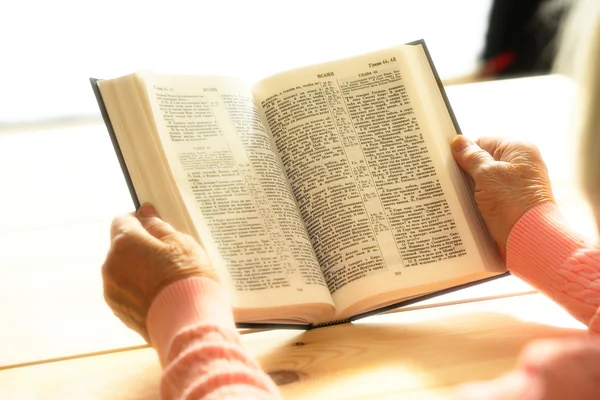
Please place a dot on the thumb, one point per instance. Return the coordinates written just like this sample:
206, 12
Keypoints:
151, 221
470, 157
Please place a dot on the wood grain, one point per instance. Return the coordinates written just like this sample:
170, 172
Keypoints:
418, 354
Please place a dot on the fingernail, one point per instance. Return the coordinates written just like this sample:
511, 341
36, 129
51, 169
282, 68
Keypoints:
460, 143
147, 210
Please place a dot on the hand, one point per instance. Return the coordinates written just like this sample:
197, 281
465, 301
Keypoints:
549, 370
510, 179
146, 255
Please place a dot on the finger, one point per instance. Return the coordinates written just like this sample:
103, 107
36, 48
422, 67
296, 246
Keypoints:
470, 157
489, 144
507, 387
126, 224
544, 353
150, 220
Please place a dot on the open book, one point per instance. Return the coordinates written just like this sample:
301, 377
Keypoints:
320, 194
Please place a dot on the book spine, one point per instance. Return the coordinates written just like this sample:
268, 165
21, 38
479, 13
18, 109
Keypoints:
268, 326
439, 82
114, 141
330, 323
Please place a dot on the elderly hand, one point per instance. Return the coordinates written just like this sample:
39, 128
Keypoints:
146, 255
510, 179
549, 370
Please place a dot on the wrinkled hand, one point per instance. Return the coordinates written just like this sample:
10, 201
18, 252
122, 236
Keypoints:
549, 370
510, 179
146, 255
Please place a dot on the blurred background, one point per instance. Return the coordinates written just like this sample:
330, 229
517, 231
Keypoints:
49, 49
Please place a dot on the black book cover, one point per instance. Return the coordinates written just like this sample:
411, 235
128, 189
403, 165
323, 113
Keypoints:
244, 325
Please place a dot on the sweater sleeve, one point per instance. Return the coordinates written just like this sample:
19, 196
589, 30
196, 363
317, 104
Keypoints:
543, 251
546, 253
191, 326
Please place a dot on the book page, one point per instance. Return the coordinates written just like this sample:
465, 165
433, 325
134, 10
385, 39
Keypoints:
226, 167
381, 211
437, 118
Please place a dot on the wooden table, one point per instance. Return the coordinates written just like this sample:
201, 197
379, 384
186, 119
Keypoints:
60, 341
418, 353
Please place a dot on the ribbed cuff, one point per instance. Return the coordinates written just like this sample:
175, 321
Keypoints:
538, 244
191, 301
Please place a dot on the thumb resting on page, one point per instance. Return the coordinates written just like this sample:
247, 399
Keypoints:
152, 222
510, 179
469, 156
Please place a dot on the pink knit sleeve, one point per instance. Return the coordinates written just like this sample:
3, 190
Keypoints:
543, 251
191, 326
